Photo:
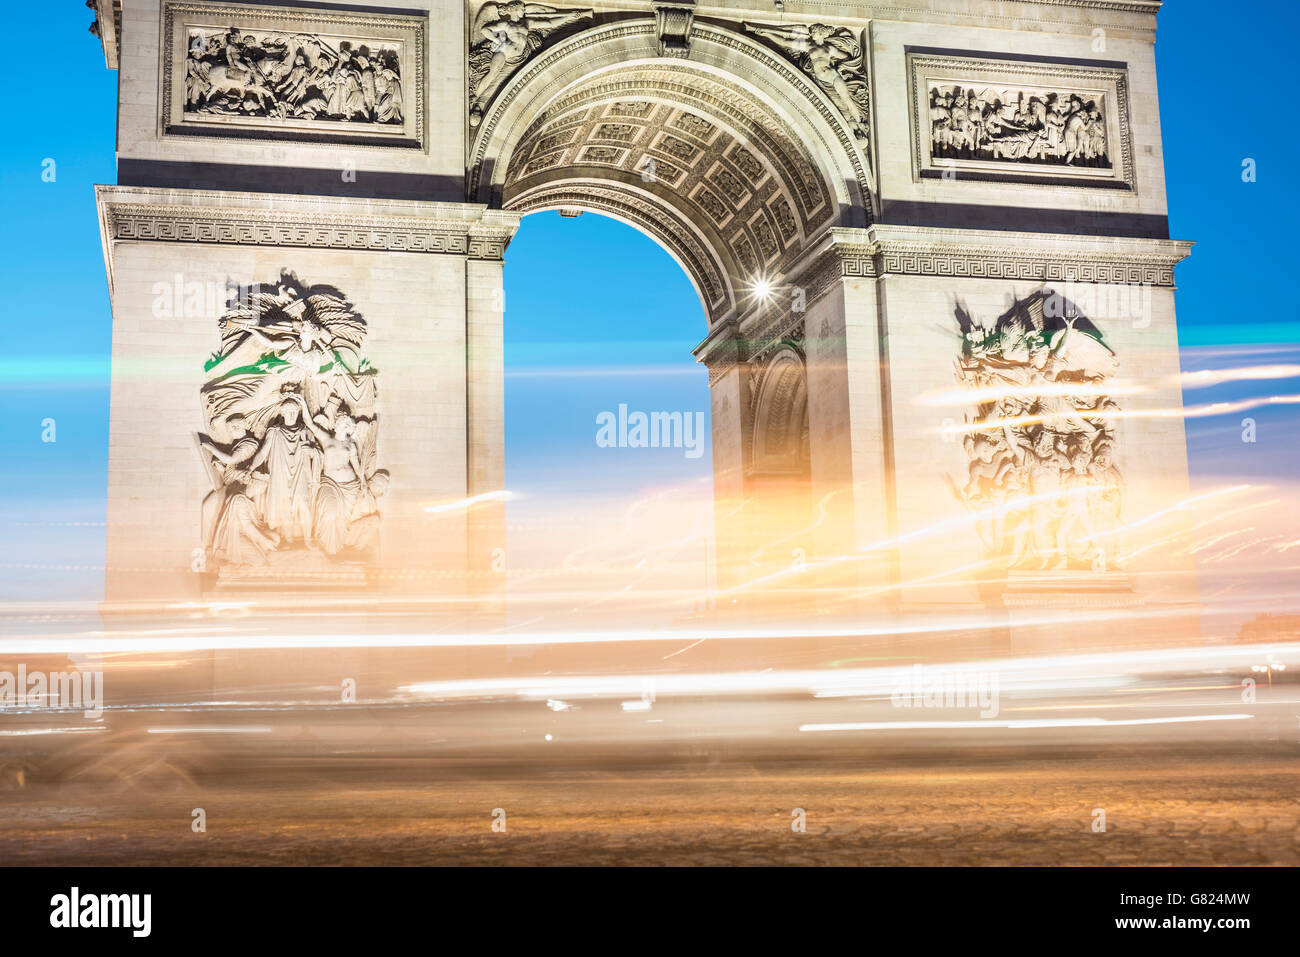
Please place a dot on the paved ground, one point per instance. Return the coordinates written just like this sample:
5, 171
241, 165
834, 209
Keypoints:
1172, 810
1189, 760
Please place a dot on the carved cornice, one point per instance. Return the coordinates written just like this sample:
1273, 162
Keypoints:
108, 27
720, 350
970, 254
250, 227
489, 239
1138, 16
129, 214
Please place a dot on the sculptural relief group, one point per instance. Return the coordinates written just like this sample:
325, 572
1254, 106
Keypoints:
833, 57
1031, 126
291, 429
292, 76
1042, 484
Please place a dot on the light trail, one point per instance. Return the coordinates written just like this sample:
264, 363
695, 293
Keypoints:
1205, 378
29, 732
215, 729
1186, 412
1200, 379
1058, 390
106, 643
981, 724
466, 503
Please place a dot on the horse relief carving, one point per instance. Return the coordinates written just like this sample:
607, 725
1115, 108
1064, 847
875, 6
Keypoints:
293, 76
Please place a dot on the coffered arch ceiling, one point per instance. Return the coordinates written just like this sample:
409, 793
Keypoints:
733, 183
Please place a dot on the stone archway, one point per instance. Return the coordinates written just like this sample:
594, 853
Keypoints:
780, 442
733, 160
736, 162
808, 176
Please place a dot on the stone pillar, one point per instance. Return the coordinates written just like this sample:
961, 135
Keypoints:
485, 404
851, 478
729, 406
172, 258
949, 298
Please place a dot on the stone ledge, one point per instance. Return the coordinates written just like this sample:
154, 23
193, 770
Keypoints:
142, 214
882, 250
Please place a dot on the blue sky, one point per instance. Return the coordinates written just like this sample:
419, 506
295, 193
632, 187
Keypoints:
619, 303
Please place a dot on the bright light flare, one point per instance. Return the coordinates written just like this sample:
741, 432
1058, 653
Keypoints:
466, 503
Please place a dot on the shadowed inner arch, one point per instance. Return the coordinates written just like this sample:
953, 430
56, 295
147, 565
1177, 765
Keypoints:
717, 180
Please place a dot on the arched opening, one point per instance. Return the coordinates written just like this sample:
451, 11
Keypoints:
608, 444
735, 162
737, 165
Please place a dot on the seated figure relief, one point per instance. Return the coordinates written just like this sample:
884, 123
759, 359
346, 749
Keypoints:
1018, 125
290, 434
1041, 483
297, 76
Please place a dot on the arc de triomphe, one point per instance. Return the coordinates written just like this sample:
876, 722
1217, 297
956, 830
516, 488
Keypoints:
930, 239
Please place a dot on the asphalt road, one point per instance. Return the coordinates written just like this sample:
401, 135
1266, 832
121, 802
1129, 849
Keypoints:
983, 809
693, 780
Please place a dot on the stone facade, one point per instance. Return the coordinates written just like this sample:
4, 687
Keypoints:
842, 184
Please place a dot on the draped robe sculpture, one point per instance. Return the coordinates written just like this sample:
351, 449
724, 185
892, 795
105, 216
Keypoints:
290, 436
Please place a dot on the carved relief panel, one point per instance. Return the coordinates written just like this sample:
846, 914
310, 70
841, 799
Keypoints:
296, 74
1041, 483
981, 117
502, 37
290, 440
833, 57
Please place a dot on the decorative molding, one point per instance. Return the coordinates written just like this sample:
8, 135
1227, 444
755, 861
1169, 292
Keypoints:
961, 254
1069, 125
719, 365
346, 102
250, 227
130, 214
1138, 16
107, 25
490, 242
720, 350
674, 24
